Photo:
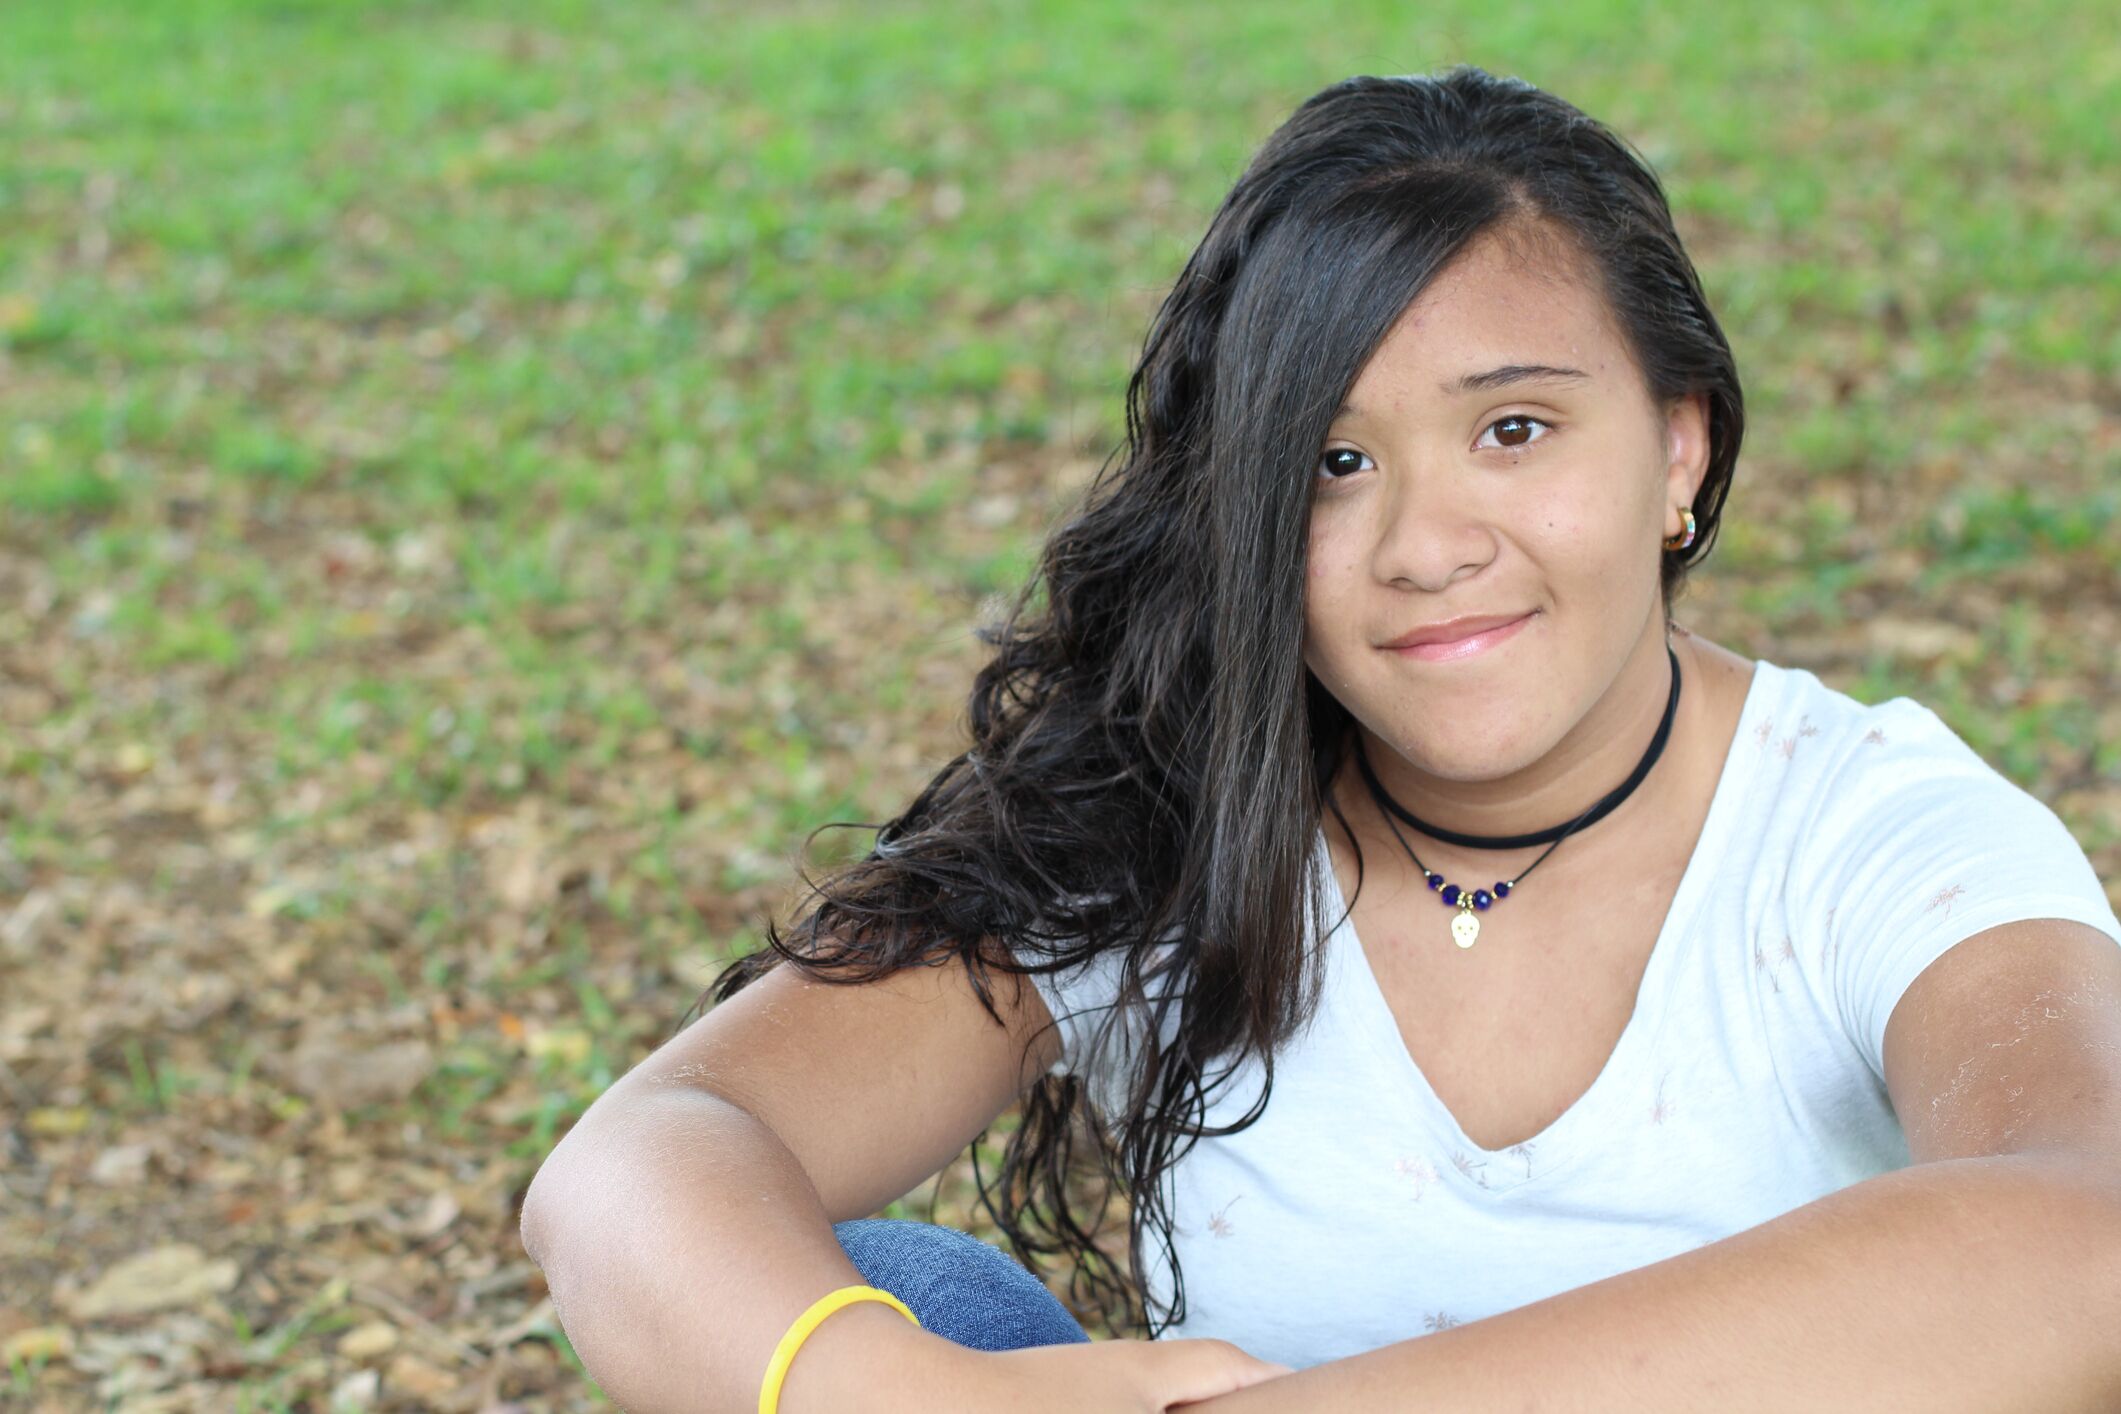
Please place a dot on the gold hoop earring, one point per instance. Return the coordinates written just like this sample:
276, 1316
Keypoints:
1685, 537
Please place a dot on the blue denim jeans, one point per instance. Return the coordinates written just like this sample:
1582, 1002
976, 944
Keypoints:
961, 1288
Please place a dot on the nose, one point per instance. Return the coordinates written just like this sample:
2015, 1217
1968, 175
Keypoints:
1428, 533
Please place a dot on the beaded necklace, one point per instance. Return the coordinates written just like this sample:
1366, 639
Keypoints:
1465, 925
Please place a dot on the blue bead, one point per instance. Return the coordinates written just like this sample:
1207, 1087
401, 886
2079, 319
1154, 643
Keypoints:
1502, 891
1435, 881
1481, 898
1450, 893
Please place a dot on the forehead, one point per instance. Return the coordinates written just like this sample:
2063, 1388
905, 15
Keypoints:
1519, 297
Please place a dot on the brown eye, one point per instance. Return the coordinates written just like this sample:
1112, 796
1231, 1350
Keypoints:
1519, 436
1328, 460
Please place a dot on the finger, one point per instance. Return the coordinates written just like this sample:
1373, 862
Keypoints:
1207, 1367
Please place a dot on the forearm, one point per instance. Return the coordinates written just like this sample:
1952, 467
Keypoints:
1970, 1286
680, 1239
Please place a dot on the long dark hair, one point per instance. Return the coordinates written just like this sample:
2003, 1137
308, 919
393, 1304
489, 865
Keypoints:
1150, 756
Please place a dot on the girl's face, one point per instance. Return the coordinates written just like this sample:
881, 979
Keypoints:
1450, 487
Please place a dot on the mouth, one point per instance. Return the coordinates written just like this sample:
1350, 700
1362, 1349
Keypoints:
1472, 645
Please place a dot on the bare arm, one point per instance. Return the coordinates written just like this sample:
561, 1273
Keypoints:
686, 1220
1977, 1285
1985, 1277
680, 1239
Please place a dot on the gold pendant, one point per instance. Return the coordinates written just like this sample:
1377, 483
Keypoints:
1465, 928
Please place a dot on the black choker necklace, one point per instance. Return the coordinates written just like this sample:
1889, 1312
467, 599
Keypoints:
1465, 927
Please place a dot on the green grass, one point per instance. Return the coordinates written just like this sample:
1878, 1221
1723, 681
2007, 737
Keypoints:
440, 437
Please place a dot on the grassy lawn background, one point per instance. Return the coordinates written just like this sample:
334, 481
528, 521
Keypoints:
479, 482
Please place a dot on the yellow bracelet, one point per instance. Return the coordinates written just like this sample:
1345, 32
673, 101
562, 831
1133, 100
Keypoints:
784, 1353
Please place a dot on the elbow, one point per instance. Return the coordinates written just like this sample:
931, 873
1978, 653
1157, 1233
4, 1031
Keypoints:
550, 1202
557, 1207
572, 1191
531, 1222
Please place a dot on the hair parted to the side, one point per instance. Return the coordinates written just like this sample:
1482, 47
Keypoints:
1150, 756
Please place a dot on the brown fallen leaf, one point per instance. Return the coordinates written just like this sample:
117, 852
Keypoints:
1920, 638
343, 1071
411, 1375
369, 1340
175, 1274
121, 1165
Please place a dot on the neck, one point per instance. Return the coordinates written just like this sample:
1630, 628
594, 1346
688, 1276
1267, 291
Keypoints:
1596, 755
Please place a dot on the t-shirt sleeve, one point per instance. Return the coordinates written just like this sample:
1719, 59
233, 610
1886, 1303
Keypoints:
1920, 845
1076, 996
1101, 1042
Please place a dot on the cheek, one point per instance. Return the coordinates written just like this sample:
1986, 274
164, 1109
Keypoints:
1331, 571
1322, 572
1327, 616
1333, 549
1585, 529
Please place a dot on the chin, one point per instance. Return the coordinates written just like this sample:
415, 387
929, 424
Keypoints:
1498, 748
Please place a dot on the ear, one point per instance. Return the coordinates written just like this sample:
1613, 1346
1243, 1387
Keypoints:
1686, 439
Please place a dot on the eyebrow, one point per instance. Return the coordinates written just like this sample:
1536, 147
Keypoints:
1496, 378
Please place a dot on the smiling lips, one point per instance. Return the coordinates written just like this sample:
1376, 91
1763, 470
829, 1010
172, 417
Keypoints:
1460, 638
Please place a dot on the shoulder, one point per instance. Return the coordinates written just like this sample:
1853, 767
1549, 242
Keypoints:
1900, 812
1874, 800
1786, 714
1847, 753
1911, 843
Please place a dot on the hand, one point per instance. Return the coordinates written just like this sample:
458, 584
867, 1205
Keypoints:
1110, 1376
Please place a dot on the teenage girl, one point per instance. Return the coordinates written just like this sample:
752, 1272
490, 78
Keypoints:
1480, 986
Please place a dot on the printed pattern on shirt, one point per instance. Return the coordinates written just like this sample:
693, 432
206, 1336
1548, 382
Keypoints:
1771, 962
1418, 1171
1465, 1164
1663, 1108
1785, 746
1420, 1175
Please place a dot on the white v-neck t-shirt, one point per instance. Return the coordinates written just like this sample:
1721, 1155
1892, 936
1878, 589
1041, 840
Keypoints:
1846, 847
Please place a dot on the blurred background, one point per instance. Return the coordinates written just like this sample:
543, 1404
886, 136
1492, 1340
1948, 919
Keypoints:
480, 482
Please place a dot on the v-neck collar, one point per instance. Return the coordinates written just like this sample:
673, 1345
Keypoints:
1564, 1140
